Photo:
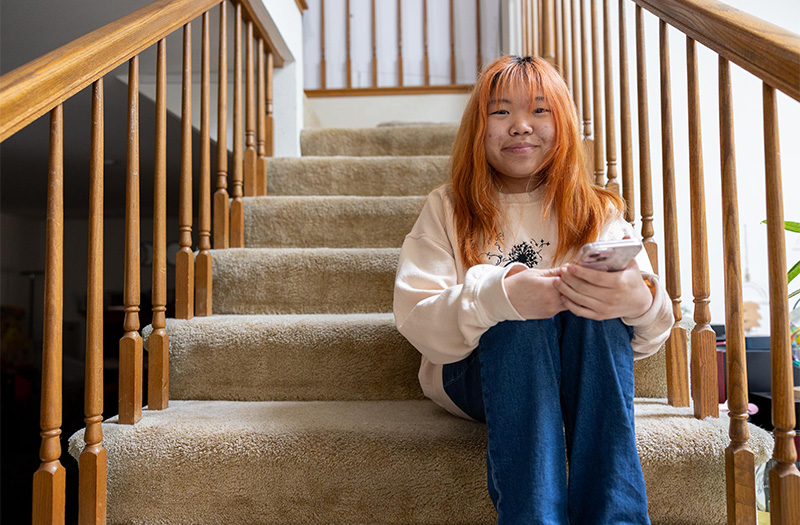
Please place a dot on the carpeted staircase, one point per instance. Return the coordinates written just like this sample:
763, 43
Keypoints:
298, 402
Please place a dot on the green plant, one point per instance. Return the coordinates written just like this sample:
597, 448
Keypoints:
795, 269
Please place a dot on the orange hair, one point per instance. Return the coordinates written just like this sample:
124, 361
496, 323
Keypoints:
580, 206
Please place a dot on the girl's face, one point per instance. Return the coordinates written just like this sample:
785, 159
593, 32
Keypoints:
518, 139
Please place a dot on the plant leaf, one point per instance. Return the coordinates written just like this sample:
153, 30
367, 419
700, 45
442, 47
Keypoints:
794, 271
788, 226
794, 293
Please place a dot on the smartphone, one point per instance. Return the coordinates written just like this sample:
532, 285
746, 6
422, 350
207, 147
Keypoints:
609, 256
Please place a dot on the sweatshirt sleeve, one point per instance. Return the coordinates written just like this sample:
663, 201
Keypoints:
652, 328
442, 317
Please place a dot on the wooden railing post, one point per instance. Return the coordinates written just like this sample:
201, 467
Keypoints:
645, 181
611, 141
576, 62
739, 460
270, 132
587, 97
399, 43
704, 358
784, 478
425, 60
261, 166
322, 72
597, 96
184, 261
478, 34
452, 44
203, 262
92, 464
565, 44
130, 346
348, 61
374, 47
237, 206
49, 480
548, 31
626, 158
677, 366
250, 155
221, 203
158, 342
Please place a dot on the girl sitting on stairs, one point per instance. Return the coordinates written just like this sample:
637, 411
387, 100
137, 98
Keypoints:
510, 334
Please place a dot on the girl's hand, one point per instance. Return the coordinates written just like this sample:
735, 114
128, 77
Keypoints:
600, 295
533, 292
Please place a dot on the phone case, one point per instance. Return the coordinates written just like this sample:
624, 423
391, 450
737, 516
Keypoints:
609, 256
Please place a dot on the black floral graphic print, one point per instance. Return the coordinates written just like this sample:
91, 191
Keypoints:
528, 253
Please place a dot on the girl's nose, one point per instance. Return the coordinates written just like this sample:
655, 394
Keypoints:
521, 127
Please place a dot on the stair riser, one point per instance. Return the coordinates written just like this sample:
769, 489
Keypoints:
302, 359
367, 176
306, 222
303, 281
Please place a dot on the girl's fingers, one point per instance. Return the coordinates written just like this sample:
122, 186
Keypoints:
587, 301
579, 310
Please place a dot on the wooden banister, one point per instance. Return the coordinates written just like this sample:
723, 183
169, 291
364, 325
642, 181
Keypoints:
33, 89
93, 459
739, 460
769, 52
784, 478
130, 346
221, 202
49, 480
202, 292
704, 359
677, 366
158, 342
184, 261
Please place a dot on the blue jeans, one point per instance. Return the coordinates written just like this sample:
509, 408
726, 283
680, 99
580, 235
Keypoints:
552, 391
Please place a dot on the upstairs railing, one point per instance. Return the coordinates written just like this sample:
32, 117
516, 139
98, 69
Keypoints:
576, 36
42, 86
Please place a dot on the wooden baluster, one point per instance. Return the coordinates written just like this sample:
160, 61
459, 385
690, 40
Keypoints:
184, 261
626, 158
425, 42
221, 203
374, 49
203, 263
478, 33
130, 346
739, 460
677, 366
646, 195
399, 42
784, 478
548, 32
348, 62
598, 102
158, 343
322, 42
237, 205
611, 140
704, 358
526, 28
535, 26
587, 108
270, 146
452, 45
250, 154
558, 37
261, 171
49, 480
576, 81
565, 52
92, 464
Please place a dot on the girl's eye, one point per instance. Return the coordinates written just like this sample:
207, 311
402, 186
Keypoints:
539, 111
499, 112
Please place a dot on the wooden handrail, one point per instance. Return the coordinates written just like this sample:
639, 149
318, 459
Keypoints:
35, 88
767, 51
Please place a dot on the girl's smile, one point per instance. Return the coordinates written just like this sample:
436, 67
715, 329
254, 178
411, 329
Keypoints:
519, 137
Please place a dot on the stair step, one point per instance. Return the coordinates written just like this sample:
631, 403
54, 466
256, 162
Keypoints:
303, 280
291, 357
368, 462
379, 141
333, 222
409, 175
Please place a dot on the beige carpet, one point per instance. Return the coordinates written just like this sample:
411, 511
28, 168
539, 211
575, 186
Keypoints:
298, 401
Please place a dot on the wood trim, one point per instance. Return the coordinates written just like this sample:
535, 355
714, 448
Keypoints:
301, 5
400, 90
257, 13
767, 51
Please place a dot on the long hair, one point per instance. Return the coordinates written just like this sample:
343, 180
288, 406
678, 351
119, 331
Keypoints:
580, 206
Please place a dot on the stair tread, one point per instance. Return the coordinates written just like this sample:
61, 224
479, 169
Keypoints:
364, 461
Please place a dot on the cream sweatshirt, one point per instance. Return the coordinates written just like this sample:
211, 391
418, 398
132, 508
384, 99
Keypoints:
443, 308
